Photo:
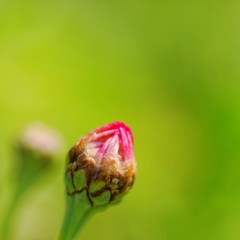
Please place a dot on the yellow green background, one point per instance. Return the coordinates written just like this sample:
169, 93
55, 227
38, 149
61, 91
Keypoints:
168, 69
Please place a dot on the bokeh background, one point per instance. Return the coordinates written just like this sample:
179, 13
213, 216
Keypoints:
168, 69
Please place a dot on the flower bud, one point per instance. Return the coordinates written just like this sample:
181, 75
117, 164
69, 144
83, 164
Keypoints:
103, 164
39, 138
36, 147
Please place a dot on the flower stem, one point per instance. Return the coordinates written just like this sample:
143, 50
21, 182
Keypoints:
24, 178
7, 223
78, 210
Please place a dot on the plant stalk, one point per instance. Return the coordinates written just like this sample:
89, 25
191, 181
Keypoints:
78, 211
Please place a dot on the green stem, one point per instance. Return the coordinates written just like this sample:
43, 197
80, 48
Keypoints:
6, 227
78, 211
24, 180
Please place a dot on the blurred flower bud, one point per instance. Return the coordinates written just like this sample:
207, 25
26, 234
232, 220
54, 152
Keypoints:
103, 164
35, 147
39, 138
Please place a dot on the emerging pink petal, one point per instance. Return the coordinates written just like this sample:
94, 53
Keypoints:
113, 139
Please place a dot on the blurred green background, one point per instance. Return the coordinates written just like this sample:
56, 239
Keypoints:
168, 69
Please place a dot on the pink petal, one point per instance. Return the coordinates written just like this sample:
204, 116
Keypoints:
107, 127
114, 145
125, 146
102, 135
130, 144
102, 151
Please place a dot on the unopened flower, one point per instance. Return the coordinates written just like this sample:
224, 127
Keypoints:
103, 164
100, 170
39, 138
35, 147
